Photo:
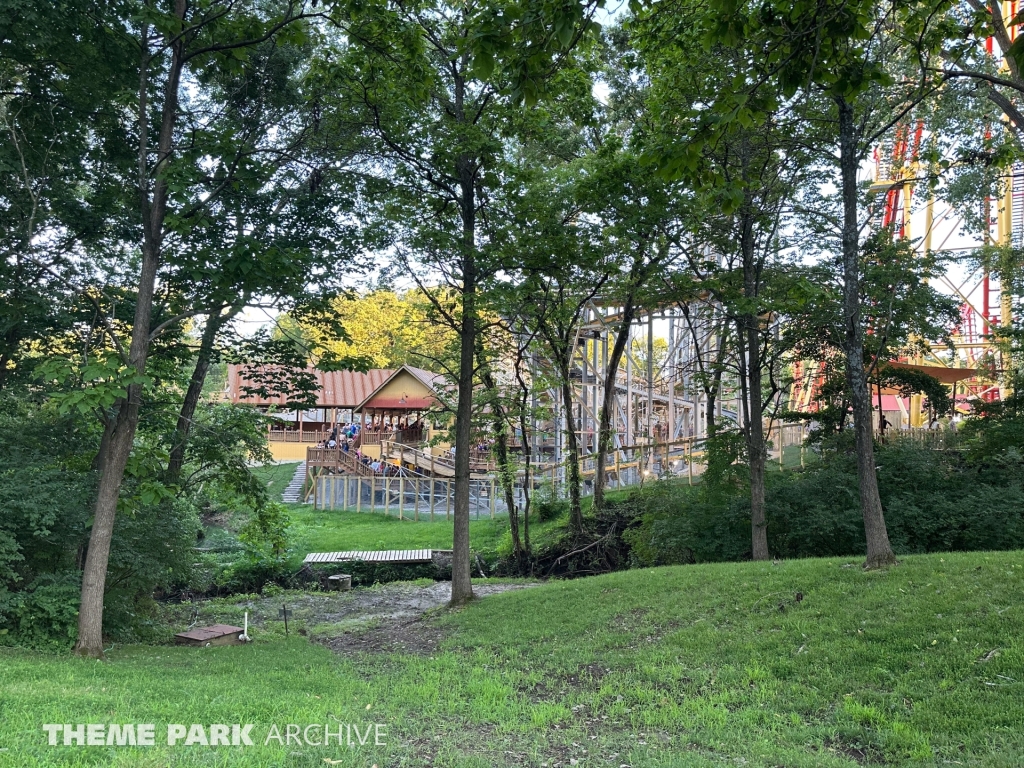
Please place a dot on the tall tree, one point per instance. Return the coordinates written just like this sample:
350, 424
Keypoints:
426, 92
62, 167
860, 68
173, 45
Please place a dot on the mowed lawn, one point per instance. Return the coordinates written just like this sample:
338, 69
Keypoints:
800, 663
313, 530
319, 530
325, 530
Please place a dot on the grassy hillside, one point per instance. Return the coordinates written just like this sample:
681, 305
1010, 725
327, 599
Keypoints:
313, 530
318, 530
801, 663
276, 477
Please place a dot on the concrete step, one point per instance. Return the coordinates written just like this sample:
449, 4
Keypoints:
290, 495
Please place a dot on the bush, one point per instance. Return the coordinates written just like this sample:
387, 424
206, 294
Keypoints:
934, 501
45, 613
264, 558
545, 505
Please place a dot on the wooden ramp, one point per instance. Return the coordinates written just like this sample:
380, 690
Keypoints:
373, 556
218, 634
441, 467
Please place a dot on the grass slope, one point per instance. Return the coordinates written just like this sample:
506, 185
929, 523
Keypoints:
276, 477
319, 530
707, 665
313, 530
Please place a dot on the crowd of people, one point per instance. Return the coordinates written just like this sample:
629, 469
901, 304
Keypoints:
346, 437
342, 436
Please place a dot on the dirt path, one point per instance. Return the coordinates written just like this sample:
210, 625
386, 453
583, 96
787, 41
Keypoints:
379, 619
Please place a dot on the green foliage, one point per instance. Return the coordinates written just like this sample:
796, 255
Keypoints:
264, 558
44, 613
934, 501
994, 433
225, 439
547, 505
909, 381
267, 530
92, 387
47, 489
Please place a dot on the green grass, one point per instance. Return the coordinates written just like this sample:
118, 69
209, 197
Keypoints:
320, 530
334, 530
276, 477
314, 530
712, 665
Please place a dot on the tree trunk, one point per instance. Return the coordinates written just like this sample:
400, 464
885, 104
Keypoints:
506, 472
572, 459
118, 447
879, 552
749, 336
462, 585
195, 390
755, 446
524, 390
604, 434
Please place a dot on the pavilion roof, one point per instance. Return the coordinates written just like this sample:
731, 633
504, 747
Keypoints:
416, 402
336, 389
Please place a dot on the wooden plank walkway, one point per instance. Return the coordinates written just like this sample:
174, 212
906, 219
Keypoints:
373, 556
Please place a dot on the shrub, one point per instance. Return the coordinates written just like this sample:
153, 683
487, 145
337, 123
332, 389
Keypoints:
934, 501
545, 505
45, 613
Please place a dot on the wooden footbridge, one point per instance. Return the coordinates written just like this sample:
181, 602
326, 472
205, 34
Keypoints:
397, 556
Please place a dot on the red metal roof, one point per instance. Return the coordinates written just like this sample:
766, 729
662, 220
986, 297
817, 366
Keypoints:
337, 389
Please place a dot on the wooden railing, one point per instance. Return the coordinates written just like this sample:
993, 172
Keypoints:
409, 436
373, 436
479, 461
294, 436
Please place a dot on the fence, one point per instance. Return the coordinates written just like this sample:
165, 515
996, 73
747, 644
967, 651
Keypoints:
936, 439
297, 436
414, 498
418, 498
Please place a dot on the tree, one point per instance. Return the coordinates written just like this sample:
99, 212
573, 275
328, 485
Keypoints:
391, 329
639, 243
62, 164
563, 268
860, 68
179, 44
426, 93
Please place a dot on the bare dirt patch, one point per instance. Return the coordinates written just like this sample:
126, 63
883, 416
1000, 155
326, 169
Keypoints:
390, 618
